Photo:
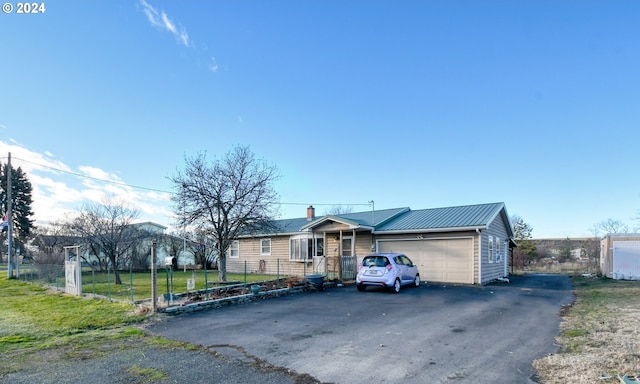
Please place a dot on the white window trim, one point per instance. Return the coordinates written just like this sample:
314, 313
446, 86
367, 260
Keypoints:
235, 244
352, 249
308, 237
261, 248
491, 252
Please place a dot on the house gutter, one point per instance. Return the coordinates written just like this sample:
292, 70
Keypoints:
431, 230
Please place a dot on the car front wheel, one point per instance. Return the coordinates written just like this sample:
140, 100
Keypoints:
416, 282
396, 286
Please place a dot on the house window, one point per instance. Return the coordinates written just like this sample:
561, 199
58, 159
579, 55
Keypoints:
234, 250
304, 247
491, 250
265, 247
347, 246
319, 246
498, 257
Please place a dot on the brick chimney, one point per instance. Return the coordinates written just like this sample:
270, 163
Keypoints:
311, 213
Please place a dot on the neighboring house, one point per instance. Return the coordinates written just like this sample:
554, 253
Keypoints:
152, 231
465, 244
620, 256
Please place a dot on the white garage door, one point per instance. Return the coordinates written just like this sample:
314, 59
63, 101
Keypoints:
445, 260
626, 260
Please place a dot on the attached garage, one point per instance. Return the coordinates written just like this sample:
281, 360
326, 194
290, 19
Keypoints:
462, 244
443, 260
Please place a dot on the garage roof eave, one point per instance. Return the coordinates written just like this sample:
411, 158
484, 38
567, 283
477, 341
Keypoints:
431, 230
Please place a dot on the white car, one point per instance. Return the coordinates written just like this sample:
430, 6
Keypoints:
390, 270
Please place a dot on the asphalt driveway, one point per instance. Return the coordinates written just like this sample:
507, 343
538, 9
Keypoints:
430, 334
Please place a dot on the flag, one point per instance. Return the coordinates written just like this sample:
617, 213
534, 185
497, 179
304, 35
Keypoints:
5, 222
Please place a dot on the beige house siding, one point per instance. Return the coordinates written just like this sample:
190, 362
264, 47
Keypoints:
462, 269
455, 254
277, 263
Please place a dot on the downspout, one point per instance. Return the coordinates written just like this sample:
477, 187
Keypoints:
479, 256
353, 243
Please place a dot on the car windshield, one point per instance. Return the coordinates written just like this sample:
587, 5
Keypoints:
375, 261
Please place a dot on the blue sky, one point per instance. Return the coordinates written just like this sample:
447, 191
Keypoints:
407, 103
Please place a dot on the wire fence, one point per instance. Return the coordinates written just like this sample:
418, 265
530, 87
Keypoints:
136, 286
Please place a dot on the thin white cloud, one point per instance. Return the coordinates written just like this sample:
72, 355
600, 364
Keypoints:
213, 65
60, 191
159, 19
98, 173
184, 37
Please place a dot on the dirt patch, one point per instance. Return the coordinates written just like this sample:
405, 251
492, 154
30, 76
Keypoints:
116, 362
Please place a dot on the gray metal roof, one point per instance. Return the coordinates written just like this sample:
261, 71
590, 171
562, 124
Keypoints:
289, 225
468, 216
364, 219
401, 219
373, 218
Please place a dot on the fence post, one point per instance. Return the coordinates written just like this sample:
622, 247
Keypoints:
131, 279
109, 281
154, 287
206, 282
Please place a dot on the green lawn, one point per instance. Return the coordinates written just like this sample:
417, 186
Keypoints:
599, 334
35, 316
136, 285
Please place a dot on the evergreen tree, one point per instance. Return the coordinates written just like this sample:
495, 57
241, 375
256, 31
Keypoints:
526, 251
21, 201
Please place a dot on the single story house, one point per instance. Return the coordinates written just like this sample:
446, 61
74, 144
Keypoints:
464, 244
620, 256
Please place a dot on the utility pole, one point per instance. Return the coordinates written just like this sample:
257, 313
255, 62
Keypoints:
9, 222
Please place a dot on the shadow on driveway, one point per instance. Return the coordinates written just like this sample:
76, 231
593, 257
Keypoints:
431, 334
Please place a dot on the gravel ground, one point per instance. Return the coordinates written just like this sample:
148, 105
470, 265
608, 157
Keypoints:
120, 362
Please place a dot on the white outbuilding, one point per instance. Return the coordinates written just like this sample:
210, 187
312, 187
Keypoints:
620, 256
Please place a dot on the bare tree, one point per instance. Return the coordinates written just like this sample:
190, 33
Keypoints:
47, 246
174, 244
225, 198
339, 210
204, 253
106, 230
590, 250
610, 226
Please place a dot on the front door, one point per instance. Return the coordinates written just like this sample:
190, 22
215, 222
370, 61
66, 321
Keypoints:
348, 267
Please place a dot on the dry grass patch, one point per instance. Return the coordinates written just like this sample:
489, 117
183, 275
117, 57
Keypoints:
600, 335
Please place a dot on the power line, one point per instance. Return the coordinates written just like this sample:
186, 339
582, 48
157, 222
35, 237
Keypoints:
94, 178
158, 190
